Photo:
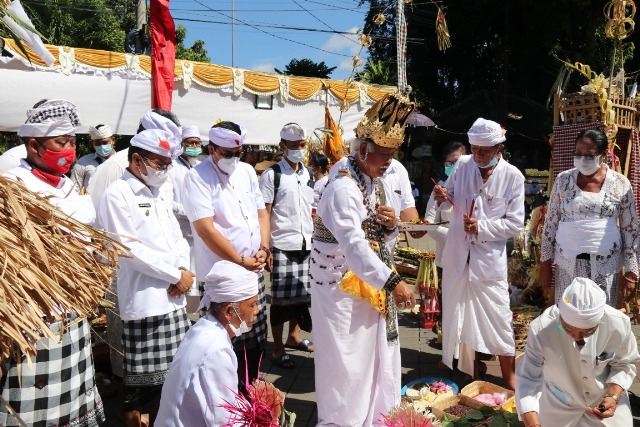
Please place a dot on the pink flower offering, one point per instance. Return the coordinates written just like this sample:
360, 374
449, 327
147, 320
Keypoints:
439, 388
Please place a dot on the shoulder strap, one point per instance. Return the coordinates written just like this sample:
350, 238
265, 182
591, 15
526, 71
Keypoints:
276, 182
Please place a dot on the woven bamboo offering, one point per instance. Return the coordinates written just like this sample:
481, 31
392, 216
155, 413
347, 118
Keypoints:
477, 388
580, 108
51, 265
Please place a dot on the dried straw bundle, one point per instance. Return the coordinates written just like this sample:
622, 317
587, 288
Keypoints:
49, 264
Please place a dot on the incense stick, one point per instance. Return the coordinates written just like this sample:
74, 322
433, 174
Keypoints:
450, 200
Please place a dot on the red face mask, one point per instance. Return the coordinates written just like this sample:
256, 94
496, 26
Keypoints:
59, 161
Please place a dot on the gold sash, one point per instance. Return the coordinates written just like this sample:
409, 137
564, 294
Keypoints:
355, 286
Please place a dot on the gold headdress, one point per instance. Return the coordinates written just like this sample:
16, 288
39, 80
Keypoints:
384, 123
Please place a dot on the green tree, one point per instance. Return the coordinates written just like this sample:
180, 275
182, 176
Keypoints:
92, 25
197, 51
379, 73
306, 68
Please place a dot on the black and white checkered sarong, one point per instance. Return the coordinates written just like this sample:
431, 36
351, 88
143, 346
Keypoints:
149, 346
290, 277
59, 387
257, 334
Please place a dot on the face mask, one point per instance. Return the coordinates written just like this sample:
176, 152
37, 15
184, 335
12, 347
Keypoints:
587, 166
155, 178
491, 164
228, 165
449, 169
103, 150
243, 329
295, 156
193, 151
59, 161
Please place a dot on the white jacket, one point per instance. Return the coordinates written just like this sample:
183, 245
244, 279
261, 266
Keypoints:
559, 380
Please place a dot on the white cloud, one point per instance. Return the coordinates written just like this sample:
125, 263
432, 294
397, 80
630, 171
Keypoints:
344, 43
265, 67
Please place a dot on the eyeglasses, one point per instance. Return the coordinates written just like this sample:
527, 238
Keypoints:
586, 156
230, 154
159, 166
192, 143
447, 164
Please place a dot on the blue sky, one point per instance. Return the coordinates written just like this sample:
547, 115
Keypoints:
259, 51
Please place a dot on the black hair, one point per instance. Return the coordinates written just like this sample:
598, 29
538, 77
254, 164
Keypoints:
453, 146
319, 160
164, 113
229, 126
597, 136
141, 151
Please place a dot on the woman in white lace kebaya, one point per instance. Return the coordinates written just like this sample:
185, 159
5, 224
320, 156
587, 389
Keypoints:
591, 227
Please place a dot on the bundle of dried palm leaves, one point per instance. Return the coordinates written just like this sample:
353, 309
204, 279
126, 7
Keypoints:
50, 264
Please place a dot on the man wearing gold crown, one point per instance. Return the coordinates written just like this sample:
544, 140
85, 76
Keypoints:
356, 291
489, 195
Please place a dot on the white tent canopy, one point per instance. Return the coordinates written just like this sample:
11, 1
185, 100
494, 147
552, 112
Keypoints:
119, 96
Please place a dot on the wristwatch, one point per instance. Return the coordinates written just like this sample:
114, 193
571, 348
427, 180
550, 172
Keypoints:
613, 396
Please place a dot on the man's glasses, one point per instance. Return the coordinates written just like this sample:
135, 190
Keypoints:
585, 156
447, 164
159, 166
230, 154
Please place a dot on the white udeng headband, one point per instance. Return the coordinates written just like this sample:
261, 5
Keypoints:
227, 138
49, 129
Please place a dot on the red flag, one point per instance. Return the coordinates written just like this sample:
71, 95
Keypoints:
163, 54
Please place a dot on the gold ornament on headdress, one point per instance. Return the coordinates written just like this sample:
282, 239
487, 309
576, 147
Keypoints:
385, 122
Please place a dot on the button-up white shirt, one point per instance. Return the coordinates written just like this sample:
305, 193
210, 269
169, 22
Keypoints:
397, 187
291, 214
64, 197
233, 201
558, 379
84, 168
203, 376
106, 174
144, 222
178, 174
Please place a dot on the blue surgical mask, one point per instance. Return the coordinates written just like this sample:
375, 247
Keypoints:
104, 150
449, 169
491, 164
193, 151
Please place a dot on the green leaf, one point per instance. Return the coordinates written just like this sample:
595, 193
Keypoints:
474, 415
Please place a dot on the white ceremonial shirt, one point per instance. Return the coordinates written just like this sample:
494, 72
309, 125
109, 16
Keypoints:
291, 214
106, 174
11, 158
146, 225
318, 188
64, 197
84, 168
203, 376
178, 173
498, 205
233, 201
559, 379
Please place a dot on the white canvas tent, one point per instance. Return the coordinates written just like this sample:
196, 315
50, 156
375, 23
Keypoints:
115, 89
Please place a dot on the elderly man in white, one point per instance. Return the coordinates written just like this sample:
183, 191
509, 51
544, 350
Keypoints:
203, 373
475, 292
85, 166
579, 361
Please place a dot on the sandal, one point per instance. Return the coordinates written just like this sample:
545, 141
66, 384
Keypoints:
283, 361
302, 346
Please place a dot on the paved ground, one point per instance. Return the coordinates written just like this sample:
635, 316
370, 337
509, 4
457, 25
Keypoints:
420, 356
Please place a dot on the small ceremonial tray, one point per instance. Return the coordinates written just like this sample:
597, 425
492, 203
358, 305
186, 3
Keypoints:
409, 226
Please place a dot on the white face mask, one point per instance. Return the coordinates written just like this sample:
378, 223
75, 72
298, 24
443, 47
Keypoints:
243, 328
587, 166
154, 178
296, 156
228, 165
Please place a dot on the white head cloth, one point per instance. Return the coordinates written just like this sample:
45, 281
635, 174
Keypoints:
100, 132
157, 141
485, 133
153, 120
190, 132
582, 303
293, 132
227, 138
50, 118
229, 282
